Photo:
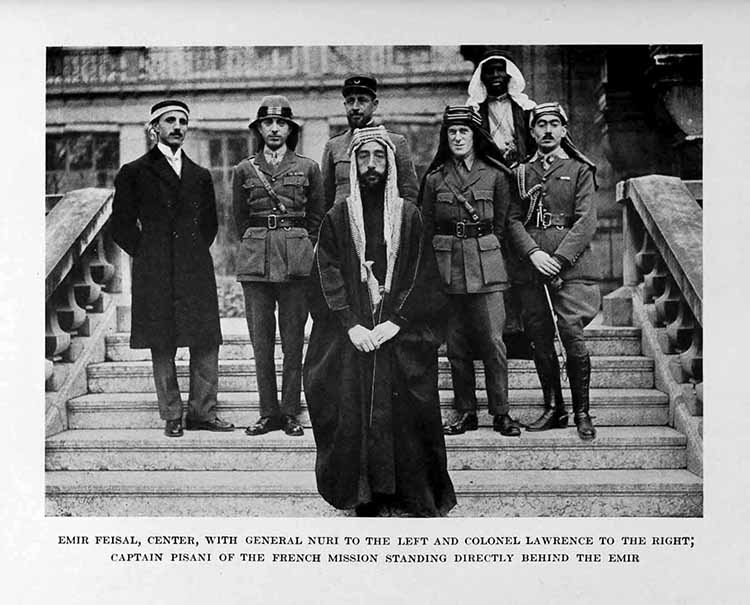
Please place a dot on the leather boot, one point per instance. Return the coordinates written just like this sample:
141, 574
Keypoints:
554, 416
579, 373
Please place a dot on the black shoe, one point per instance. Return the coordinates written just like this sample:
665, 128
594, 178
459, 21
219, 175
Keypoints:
216, 425
505, 425
292, 427
173, 428
465, 422
550, 419
264, 424
586, 430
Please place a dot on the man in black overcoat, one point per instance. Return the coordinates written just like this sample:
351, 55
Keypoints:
164, 216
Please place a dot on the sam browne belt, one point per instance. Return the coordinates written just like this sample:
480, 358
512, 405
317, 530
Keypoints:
545, 220
274, 221
464, 229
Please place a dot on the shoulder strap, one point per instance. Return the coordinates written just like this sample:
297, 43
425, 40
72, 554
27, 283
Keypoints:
532, 196
278, 204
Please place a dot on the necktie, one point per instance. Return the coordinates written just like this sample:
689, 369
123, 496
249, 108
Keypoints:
547, 161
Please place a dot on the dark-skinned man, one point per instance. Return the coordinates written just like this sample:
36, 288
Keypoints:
550, 226
360, 103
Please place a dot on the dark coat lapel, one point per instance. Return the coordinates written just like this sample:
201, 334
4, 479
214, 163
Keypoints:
189, 181
160, 166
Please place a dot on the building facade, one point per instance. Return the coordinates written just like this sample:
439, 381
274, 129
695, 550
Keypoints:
621, 101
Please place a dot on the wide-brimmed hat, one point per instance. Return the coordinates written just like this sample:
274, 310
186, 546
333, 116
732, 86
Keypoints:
275, 106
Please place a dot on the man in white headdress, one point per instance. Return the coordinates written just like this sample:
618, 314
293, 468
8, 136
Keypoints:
496, 91
371, 369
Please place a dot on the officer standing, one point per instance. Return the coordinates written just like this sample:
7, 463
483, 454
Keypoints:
278, 206
464, 201
360, 102
551, 225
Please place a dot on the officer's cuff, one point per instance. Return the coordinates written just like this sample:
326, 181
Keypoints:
534, 249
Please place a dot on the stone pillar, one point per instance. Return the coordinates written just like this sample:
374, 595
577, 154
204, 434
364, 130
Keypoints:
314, 137
132, 142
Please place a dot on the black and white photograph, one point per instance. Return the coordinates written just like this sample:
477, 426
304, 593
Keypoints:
487, 336
333, 315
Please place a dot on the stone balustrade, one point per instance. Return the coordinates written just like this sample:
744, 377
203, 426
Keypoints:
663, 291
84, 271
153, 68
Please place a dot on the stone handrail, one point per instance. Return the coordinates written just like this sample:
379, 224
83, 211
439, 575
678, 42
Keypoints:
663, 292
83, 269
72, 70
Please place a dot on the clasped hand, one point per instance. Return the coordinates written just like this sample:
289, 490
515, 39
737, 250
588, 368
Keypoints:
545, 264
366, 341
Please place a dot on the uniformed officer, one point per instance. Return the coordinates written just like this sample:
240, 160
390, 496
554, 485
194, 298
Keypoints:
278, 206
464, 201
551, 225
360, 102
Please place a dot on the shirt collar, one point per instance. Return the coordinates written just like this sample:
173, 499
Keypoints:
558, 153
467, 159
280, 152
167, 151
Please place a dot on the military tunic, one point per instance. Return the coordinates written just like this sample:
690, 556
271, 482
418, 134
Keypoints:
275, 258
336, 162
562, 223
473, 273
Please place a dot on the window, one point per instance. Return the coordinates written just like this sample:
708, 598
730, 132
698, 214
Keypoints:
80, 159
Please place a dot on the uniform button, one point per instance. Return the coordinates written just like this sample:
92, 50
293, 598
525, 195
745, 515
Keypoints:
544, 179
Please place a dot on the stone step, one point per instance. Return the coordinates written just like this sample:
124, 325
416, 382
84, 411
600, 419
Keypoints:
144, 449
600, 340
239, 375
586, 493
613, 407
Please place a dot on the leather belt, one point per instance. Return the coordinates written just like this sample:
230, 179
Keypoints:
558, 221
464, 229
275, 221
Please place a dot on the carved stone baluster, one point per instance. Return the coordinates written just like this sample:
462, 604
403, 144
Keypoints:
691, 359
668, 304
681, 330
69, 315
56, 340
88, 293
655, 282
101, 270
645, 258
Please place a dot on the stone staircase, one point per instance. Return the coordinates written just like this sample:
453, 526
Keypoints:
114, 459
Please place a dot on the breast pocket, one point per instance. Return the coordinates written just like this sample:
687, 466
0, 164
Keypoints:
484, 203
491, 259
299, 252
445, 207
295, 186
255, 194
252, 257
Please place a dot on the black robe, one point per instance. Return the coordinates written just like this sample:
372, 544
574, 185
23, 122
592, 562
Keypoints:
376, 416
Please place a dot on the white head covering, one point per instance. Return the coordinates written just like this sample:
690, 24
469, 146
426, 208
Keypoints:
392, 210
478, 91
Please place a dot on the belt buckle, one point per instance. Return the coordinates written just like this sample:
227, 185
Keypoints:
546, 220
461, 229
272, 221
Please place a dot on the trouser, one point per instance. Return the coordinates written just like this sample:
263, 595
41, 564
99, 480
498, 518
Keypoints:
477, 331
575, 304
204, 383
261, 299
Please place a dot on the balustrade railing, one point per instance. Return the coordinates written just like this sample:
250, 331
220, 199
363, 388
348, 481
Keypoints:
82, 268
112, 67
663, 264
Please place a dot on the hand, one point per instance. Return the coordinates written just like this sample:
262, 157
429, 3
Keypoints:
362, 339
385, 331
544, 263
